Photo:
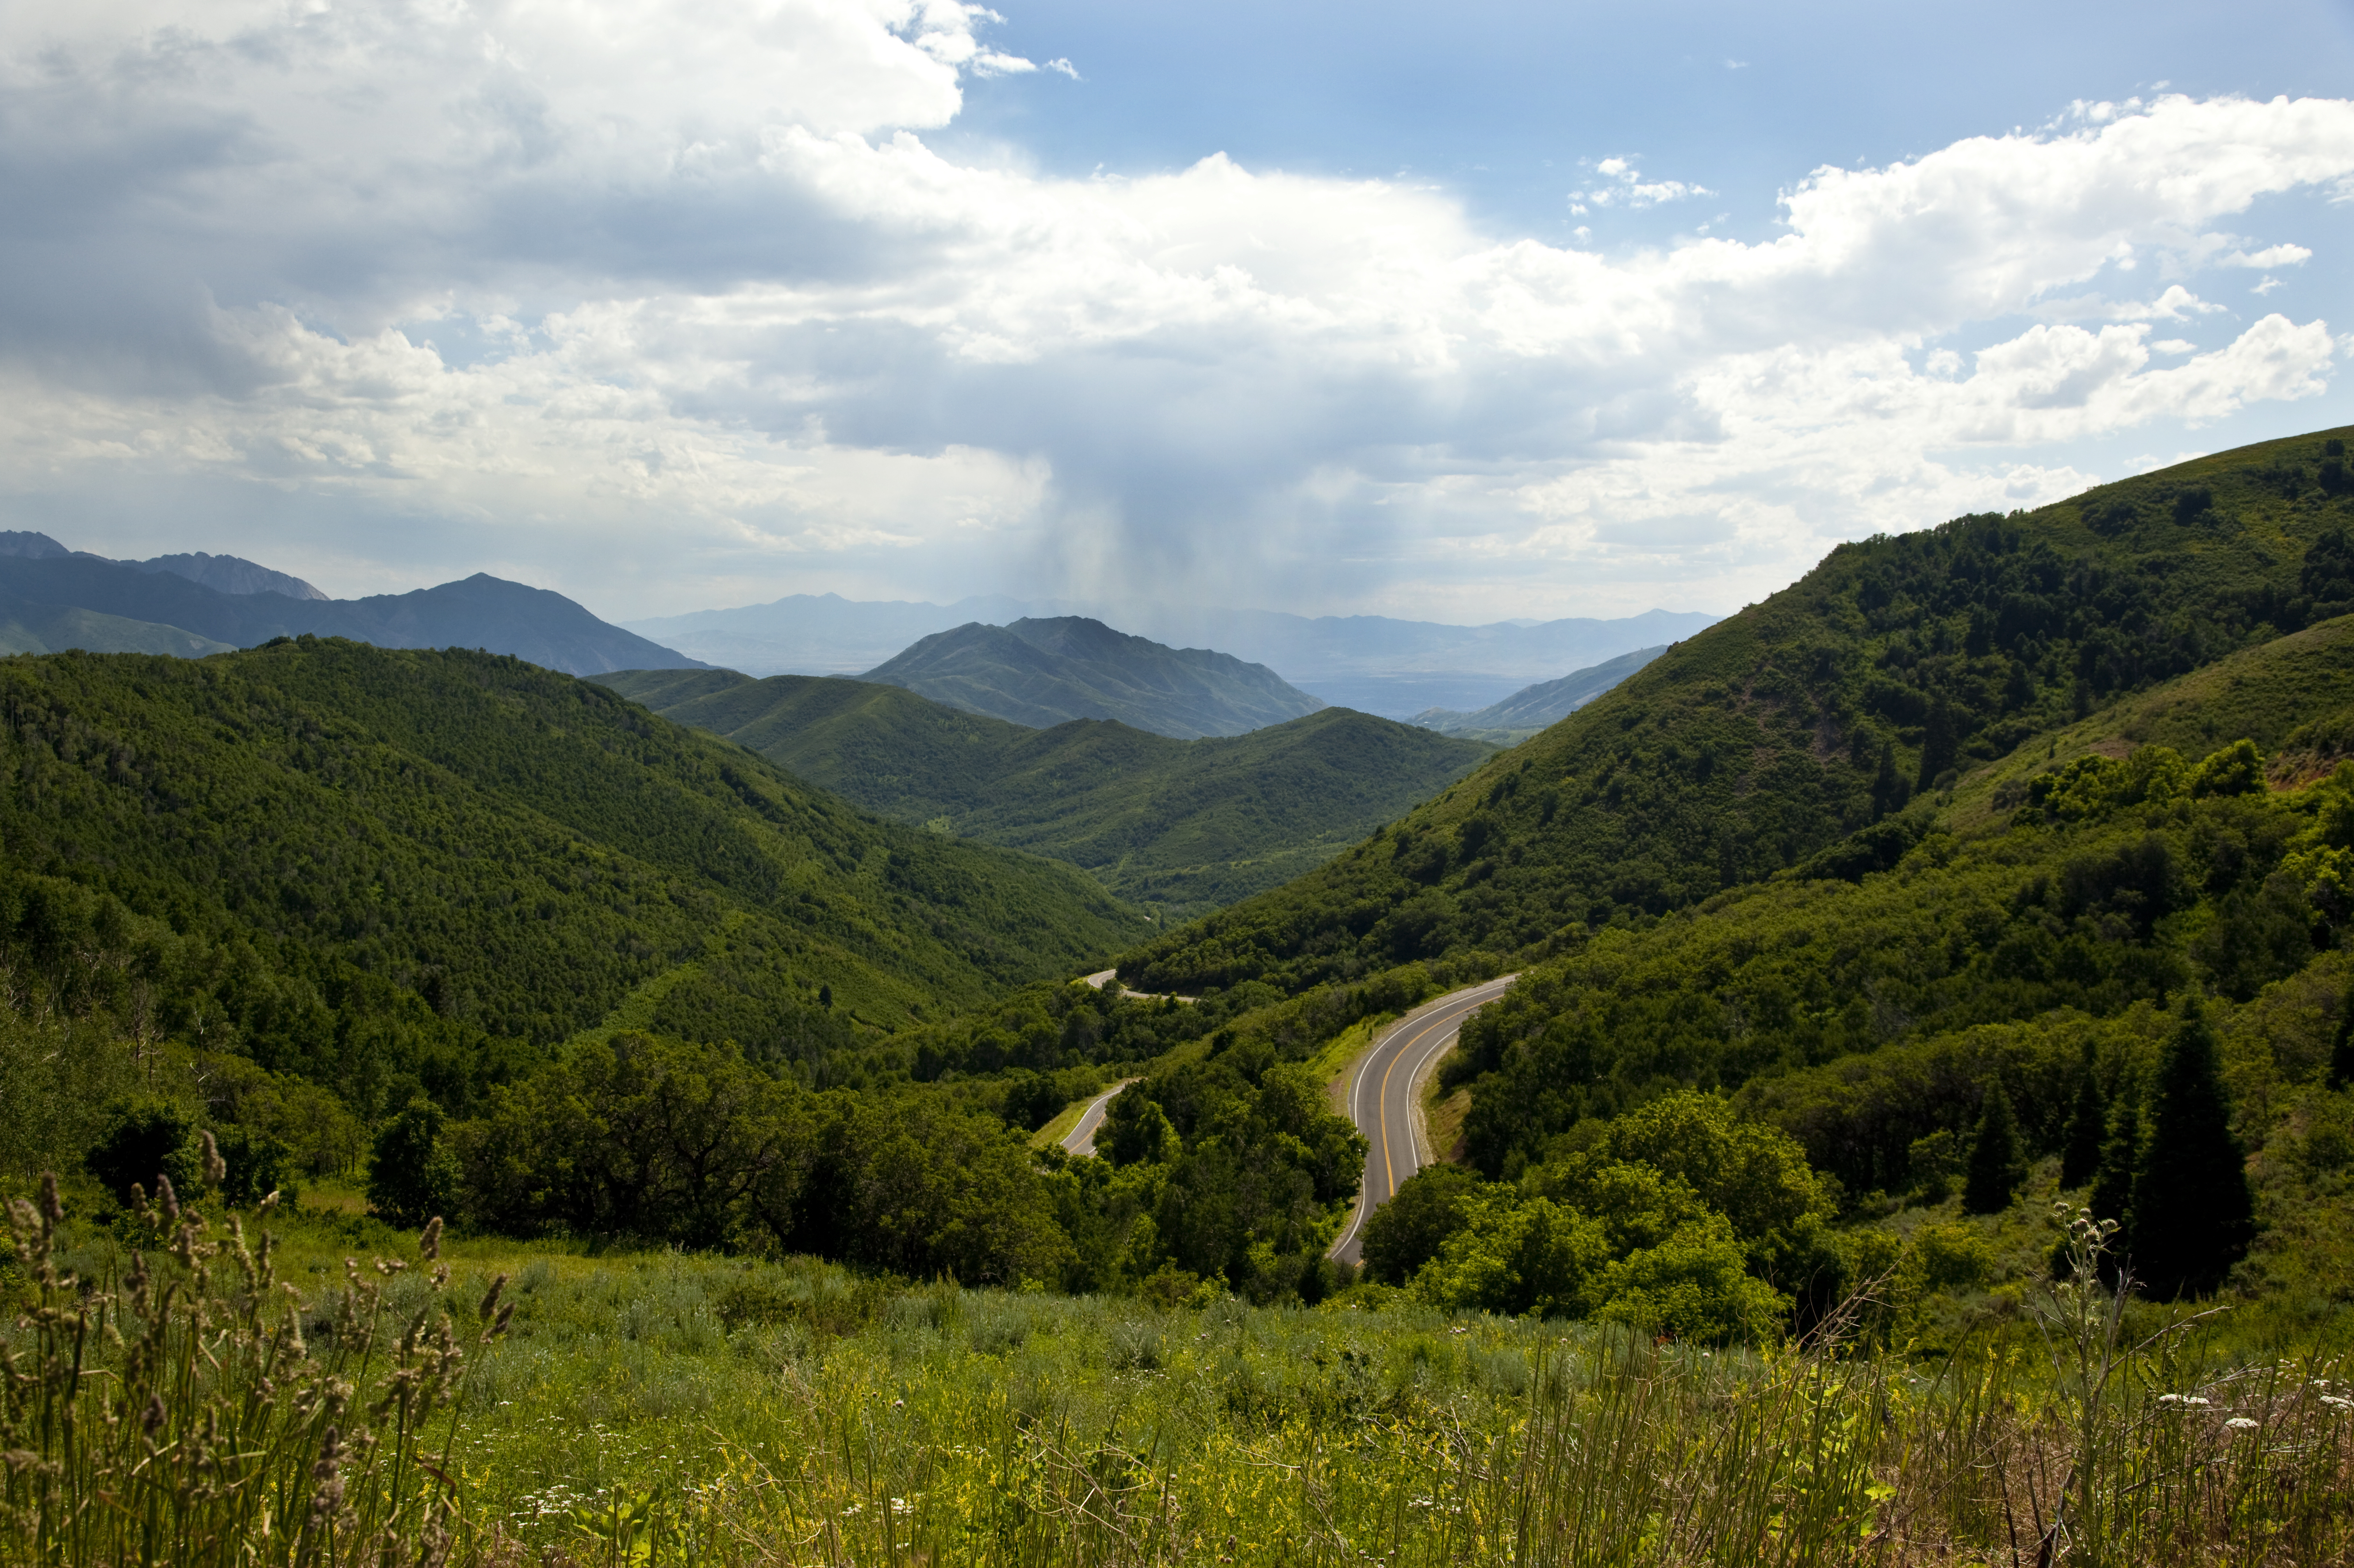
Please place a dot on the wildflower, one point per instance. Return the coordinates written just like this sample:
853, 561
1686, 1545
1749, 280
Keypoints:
428, 1246
215, 1167
490, 1299
52, 1210
165, 1199
2240, 1423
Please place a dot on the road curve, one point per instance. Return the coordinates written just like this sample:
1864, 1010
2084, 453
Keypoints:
1383, 1084
1081, 1140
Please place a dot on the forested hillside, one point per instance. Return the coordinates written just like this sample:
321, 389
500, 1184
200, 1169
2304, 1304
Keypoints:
1896, 664
1184, 826
388, 870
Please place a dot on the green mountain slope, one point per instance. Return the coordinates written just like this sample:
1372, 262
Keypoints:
30, 627
1042, 673
1186, 825
361, 863
1890, 668
1540, 706
2033, 935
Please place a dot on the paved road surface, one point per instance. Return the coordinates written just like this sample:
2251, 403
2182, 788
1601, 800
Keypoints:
1381, 1087
1081, 1140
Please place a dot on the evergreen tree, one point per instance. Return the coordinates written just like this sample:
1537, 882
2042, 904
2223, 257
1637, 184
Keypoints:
2080, 1161
2111, 1195
1888, 791
2193, 1214
1938, 742
1996, 1167
2341, 1053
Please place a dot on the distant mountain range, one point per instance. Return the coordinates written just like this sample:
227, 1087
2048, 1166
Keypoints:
1375, 663
52, 598
1044, 673
1537, 707
1187, 826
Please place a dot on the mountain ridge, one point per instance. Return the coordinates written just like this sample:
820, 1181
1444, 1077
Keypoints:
480, 610
1539, 707
1042, 673
1181, 824
1894, 664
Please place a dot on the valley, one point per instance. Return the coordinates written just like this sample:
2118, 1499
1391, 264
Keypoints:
1790, 978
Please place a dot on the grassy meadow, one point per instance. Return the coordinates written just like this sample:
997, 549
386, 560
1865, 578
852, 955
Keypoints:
655, 1408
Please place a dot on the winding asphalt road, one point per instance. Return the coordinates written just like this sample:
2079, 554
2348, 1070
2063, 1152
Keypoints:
1081, 1140
1383, 1085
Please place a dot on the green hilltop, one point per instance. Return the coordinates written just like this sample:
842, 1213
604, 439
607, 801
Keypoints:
1183, 825
372, 867
1895, 667
1044, 671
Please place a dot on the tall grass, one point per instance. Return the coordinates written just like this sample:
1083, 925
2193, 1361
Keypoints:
663, 1408
167, 1404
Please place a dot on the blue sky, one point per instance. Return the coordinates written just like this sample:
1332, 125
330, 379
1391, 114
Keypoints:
1458, 313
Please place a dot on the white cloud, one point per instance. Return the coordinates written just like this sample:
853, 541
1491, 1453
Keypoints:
656, 298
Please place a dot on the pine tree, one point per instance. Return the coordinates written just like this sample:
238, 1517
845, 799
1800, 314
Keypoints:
2087, 1128
1996, 1168
2341, 1053
2112, 1193
2193, 1214
1889, 792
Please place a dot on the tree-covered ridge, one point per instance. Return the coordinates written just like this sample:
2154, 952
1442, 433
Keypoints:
2080, 953
1183, 825
359, 864
1897, 661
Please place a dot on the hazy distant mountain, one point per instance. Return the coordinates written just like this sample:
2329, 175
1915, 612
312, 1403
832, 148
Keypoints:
1371, 663
482, 611
819, 634
1186, 825
1042, 673
226, 574
229, 574
1540, 706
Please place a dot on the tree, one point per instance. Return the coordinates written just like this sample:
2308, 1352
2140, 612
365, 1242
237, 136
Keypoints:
2111, 1195
1407, 1232
1888, 791
2341, 1052
411, 1177
146, 1138
2193, 1213
1996, 1166
2080, 1161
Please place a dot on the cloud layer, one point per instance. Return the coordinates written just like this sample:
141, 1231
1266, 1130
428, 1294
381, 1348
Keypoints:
671, 304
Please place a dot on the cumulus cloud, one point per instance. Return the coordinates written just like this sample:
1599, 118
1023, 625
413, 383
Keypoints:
669, 303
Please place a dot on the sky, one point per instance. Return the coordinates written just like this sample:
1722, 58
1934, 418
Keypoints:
1458, 313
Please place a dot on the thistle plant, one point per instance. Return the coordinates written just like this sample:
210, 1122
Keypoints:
172, 1410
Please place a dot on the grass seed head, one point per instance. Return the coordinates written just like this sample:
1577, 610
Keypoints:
428, 1246
215, 1167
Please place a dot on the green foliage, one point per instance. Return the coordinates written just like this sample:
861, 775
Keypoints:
382, 869
2193, 1214
1866, 1016
692, 1145
145, 1138
1997, 1166
1778, 732
1681, 1219
1409, 1230
1183, 825
412, 1176
2080, 1156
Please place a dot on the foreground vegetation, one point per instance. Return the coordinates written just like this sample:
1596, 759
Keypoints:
673, 1408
